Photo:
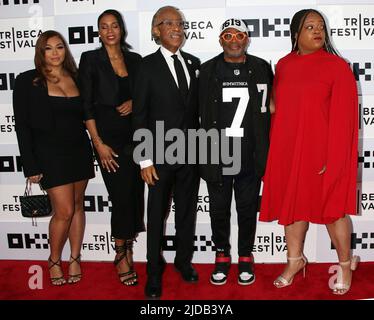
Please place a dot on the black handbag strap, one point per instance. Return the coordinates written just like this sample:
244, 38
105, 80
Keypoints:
28, 188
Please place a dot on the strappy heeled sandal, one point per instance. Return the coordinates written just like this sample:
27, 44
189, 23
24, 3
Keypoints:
131, 278
340, 287
56, 281
74, 278
130, 254
282, 282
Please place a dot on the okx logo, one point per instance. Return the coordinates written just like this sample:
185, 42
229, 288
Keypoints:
277, 27
363, 71
201, 243
365, 240
367, 159
7, 81
28, 241
82, 35
17, 2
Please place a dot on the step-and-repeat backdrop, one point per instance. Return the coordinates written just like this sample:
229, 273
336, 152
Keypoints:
21, 21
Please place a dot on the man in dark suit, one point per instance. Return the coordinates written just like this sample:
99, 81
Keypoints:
166, 91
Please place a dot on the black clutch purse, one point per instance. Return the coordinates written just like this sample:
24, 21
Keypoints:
33, 206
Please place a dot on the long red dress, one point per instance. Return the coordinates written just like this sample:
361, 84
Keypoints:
315, 125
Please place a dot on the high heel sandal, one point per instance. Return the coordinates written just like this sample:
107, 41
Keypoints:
340, 287
130, 253
131, 276
282, 282
74, 278
56, 281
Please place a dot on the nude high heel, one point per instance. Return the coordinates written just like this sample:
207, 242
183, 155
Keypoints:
282, 282
340, 287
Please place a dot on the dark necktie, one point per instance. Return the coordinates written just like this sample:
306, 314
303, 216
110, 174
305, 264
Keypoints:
182, 81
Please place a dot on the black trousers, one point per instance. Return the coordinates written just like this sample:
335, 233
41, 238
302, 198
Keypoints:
126, 191
184, 182
246, 187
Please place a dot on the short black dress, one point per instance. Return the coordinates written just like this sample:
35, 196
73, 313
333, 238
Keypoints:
65, 154
125, 186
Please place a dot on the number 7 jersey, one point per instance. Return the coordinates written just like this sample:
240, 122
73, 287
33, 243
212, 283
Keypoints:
234, 98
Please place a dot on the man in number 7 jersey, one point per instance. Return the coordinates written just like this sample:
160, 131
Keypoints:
234, 98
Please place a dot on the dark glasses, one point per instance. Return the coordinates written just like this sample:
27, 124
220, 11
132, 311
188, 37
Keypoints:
239, 36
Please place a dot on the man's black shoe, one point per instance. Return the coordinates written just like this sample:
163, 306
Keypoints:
188, 273
153, 288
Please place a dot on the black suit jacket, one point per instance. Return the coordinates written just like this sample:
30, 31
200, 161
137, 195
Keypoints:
157, 96
32, 113
97, 81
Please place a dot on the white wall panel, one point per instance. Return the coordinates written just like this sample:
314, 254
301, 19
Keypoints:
352, 23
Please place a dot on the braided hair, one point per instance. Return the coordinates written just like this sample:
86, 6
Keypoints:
296, 25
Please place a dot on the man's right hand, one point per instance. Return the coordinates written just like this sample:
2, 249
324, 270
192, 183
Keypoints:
149, 175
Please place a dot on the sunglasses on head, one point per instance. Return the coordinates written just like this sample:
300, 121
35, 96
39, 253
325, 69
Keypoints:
228, 36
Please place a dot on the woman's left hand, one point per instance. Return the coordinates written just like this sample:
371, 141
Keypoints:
125, 108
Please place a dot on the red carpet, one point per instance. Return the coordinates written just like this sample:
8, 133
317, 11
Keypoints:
101, 283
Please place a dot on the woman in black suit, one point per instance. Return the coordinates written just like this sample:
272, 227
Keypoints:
54, 146
106, 77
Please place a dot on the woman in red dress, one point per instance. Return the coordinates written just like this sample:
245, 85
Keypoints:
312, 165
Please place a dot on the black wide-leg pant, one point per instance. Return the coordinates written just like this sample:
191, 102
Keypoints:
246, 188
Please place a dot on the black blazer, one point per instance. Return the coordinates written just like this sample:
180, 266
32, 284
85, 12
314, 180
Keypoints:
157, 97
97, 81
31, 112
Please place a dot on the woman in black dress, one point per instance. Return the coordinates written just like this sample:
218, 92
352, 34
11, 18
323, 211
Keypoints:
106, 78
54, 146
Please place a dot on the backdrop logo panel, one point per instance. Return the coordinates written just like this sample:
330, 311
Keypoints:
8, 73
362, 64
268, 29
351, 26
97, 201
362, 241
7, 129
18, 37
26, 8
270, 244
201, 31
10, 207
366, 116
81, 32
365, 198
10, 165
97, 204
366, 160
91, 6
270, 56
27, 241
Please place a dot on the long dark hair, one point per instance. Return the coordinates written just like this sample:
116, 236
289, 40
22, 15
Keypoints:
296, 25
42, 70
124, 45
